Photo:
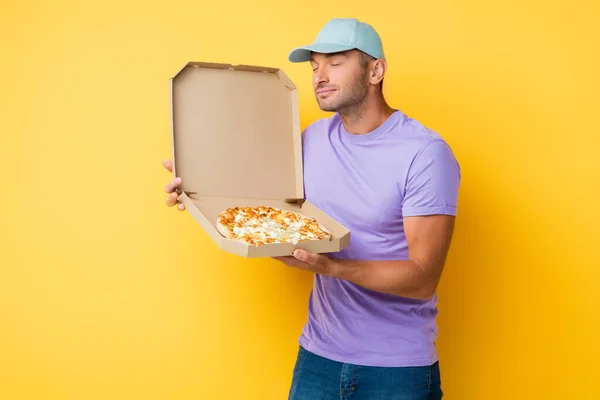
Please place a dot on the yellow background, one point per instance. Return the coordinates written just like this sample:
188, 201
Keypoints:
105, 293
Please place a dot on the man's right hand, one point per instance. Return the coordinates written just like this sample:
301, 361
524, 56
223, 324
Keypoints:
171, 186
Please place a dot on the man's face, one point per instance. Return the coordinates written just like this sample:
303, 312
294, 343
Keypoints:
339, 80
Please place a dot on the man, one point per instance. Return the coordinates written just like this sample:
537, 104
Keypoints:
394, 183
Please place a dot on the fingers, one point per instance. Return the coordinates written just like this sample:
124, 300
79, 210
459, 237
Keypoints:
289, 261
172, 199
168, 164
313, 259
170, 187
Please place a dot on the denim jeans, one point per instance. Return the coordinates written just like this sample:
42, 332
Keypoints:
318, 378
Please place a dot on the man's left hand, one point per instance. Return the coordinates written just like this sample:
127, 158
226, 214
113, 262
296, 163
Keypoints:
317, 263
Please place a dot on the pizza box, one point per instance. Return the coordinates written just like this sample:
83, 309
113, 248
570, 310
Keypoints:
236, 140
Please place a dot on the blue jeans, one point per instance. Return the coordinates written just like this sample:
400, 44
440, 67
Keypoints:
318, 378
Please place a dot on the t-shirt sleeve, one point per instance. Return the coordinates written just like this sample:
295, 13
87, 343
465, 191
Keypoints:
433, 182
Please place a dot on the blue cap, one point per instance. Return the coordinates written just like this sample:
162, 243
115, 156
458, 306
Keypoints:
342, 34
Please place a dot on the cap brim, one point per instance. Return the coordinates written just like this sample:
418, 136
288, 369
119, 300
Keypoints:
303, 54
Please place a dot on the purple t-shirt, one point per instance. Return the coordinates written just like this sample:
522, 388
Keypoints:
368, 183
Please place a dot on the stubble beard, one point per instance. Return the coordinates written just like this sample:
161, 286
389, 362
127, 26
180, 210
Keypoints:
351, 103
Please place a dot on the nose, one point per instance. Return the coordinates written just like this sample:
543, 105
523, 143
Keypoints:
320, 76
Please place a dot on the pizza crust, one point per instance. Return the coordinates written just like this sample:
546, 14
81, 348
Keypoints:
222, 228
259, 225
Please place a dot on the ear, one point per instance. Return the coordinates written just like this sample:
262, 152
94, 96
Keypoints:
377, 71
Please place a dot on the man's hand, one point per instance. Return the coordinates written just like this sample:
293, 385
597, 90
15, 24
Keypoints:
317, 263
171, 186
428, 240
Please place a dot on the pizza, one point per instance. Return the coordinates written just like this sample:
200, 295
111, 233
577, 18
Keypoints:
258, 225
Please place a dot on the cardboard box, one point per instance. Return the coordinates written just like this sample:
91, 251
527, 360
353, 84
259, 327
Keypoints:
236, 141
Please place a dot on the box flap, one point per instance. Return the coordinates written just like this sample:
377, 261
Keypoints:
236, 131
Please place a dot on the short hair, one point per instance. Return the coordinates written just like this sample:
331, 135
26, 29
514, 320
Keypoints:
365, 59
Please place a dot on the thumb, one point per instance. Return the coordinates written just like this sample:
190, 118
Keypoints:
305, 256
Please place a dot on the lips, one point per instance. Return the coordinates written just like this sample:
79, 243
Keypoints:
324, 91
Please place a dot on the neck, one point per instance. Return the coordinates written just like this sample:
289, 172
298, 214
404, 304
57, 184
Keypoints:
366, 116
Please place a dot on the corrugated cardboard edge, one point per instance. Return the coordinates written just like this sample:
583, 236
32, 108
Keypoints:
255, 68
327, 220
237, 248
202, 220
296, 132
297, 144
172, 124
239, 67
285, 79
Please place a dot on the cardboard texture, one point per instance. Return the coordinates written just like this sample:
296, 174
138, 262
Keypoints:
236, 141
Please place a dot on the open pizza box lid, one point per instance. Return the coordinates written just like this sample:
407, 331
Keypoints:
237, 141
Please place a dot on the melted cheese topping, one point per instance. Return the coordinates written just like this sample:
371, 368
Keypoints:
260, 225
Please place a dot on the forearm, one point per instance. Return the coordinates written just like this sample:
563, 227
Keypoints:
398, 277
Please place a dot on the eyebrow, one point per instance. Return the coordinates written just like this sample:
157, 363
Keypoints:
329, 55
